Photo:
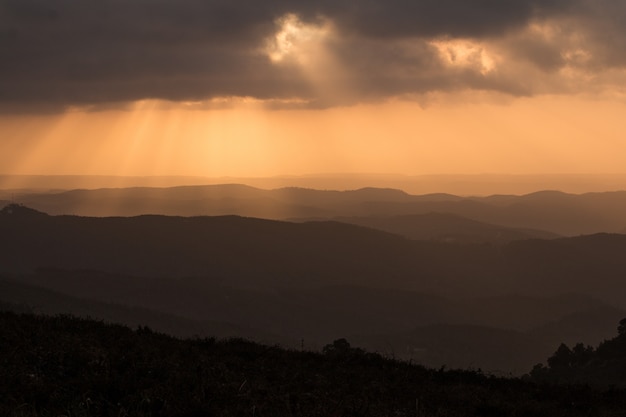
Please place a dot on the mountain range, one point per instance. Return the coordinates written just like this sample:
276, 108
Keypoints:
434, 301
549, 211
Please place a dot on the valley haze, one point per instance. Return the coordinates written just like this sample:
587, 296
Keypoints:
493, 282
387, 189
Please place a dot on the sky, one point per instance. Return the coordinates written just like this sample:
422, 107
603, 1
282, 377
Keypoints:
293, 87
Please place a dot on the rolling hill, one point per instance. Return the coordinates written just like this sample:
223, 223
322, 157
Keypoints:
552, 211
447, 228
65, 365
317, 281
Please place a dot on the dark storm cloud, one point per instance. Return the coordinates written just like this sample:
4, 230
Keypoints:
55, 53
399, 18
606, 24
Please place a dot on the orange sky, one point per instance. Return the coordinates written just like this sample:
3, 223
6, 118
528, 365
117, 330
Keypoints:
212, 89
448, 134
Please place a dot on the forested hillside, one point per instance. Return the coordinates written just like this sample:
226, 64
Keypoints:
55, 366
502, 307
602, 366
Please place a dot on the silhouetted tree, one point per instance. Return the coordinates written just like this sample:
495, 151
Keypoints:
581, 354
604, 366
562, 358
339, 346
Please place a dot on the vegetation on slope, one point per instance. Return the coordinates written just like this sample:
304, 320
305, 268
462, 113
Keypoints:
53, 366
602, 366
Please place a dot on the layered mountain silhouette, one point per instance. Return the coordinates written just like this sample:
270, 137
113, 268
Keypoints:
311, 282
447, 228
552, 211
26, 298
256, 253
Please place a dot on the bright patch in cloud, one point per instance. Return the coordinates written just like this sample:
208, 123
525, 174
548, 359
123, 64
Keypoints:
577, 56
465, 54
295, 39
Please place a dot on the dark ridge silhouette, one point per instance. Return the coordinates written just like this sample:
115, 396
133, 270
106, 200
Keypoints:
549, 196
586, 264
447, 227
380, 194
18, 212
365, 315
234, 250
20, 297
498, 351
69, 366
552, 211
528, 313
498, 347
589, 326
319, 280
255, 253
230, 199
483, 184
325, 197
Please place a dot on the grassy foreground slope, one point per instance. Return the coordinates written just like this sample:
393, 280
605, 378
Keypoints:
51, 366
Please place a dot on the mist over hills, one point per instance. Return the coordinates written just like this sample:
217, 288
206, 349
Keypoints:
466, 185
550, 211
440, 279
259, 253
446, 227
426, 329
26, 298
425, 300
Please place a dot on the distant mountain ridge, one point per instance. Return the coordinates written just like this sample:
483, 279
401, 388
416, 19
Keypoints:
481, 184
446, 227
552, 211
257, 253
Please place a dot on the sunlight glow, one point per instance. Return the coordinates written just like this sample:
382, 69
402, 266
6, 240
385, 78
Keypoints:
465, 54
295, 40
154, 138
307, 48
